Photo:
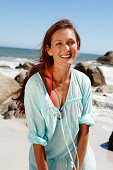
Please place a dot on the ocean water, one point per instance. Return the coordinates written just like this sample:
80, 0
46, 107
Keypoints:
12, 57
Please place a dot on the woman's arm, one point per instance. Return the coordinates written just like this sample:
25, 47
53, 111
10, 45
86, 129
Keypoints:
82, 144
40, 157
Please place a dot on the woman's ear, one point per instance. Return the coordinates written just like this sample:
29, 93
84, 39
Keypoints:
48, 50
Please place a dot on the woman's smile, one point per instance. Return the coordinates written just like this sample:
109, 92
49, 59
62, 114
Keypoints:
66, 56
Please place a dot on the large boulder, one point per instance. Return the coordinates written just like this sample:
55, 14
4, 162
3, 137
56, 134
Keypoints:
20, 78
94, 73
98, 103
8, 87
107, 58
5, 66
9, 108
110, 143
105, 89
26, 66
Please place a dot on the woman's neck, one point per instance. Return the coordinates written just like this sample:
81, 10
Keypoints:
61, 73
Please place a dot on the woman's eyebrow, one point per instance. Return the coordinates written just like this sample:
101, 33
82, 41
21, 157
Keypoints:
71, 39
57, 40
67, 40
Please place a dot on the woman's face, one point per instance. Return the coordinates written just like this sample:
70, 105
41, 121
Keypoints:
63, 47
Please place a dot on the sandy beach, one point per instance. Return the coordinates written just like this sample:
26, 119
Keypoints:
99, 135
14, 146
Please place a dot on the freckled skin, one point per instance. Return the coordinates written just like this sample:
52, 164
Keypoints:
63, 43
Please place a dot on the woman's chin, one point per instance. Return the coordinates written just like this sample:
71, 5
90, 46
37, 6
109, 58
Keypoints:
65, 62
69, 61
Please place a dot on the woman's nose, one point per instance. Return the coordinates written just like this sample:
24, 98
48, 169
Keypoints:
66, 47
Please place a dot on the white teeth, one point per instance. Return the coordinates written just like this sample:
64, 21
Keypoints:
65, 56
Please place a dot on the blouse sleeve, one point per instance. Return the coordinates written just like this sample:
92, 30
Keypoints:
34, 118
87, 116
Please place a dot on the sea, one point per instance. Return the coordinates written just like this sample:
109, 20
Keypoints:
10, 58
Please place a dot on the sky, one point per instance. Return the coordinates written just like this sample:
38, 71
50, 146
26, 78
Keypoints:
23, 23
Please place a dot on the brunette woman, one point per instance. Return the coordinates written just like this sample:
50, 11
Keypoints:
58, 105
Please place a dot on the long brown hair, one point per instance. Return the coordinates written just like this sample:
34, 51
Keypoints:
45, 61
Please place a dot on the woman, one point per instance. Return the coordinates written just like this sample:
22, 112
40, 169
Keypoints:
58, 104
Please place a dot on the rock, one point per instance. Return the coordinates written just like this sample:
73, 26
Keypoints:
94, 73
98, 103
4, 106
20, 66
110, 143
102, 104
8, 115
105, 89
5, 66
9, 109
8, 87
109, 105
20, 78
12, 106
107, 58
26, 66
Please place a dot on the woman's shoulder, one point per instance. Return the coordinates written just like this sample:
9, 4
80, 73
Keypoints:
80, 74
81, 77
34, 80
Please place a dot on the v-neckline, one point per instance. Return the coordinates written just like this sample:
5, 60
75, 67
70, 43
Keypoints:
48, 93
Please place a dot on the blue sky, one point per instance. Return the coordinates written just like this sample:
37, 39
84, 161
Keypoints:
23, 23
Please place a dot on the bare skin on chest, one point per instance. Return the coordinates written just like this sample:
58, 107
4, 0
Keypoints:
59, 93
59, 89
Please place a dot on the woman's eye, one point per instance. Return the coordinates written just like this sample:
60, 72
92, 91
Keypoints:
58, 43
71, 43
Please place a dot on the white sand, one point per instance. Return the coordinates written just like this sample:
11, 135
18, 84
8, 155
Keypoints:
14, 146
99, 135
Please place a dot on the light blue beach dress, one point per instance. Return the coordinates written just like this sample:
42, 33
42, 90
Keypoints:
59, 136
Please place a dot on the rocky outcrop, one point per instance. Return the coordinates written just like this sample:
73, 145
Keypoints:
94, 73
5, 66
105, 89
26, 66
107, 58
8, 87
20, 78
9, 109
102, 104
98, 103
110, 143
